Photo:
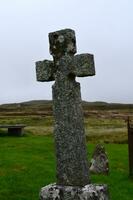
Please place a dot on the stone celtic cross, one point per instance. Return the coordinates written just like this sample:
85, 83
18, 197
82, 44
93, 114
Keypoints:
72, 164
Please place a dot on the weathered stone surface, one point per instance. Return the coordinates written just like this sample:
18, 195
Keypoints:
45, 70
99, 163
88, 192
62, 42
84, 65
72, 164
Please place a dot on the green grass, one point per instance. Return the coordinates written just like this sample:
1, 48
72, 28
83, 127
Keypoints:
120, 185
28, 163
97, 129
108, 130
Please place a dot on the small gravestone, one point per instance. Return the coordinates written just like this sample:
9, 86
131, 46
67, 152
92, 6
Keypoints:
73, 181
99, 163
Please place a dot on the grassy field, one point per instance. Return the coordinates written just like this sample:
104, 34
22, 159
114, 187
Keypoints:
27, 163
108, 130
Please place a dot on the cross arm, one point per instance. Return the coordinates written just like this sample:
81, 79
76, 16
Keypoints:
84, 65
45, 70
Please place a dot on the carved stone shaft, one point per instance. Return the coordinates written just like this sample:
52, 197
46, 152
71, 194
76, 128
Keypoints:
72, 164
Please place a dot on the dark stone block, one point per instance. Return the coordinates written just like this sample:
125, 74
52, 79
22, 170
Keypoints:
62, 42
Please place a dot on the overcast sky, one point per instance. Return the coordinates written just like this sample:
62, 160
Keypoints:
103, 28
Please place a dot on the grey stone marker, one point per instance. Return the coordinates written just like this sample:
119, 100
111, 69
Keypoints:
99, 163
72, 164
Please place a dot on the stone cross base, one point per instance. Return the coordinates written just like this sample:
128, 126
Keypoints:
88, 192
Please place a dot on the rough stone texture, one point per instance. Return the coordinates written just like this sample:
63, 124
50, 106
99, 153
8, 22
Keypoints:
99, 163
72, 164
62, 42
84, 65
88, 192
79, 65
45, 70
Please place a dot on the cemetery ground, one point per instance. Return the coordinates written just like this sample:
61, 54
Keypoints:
27, 163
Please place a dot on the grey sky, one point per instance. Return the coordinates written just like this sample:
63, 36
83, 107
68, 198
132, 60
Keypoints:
103, 27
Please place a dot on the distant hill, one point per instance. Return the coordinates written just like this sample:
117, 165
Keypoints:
106, 106
29, 106
39, 105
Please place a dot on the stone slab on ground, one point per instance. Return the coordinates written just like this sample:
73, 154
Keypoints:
88, 192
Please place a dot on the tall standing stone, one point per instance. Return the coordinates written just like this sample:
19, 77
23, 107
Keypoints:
72, 164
